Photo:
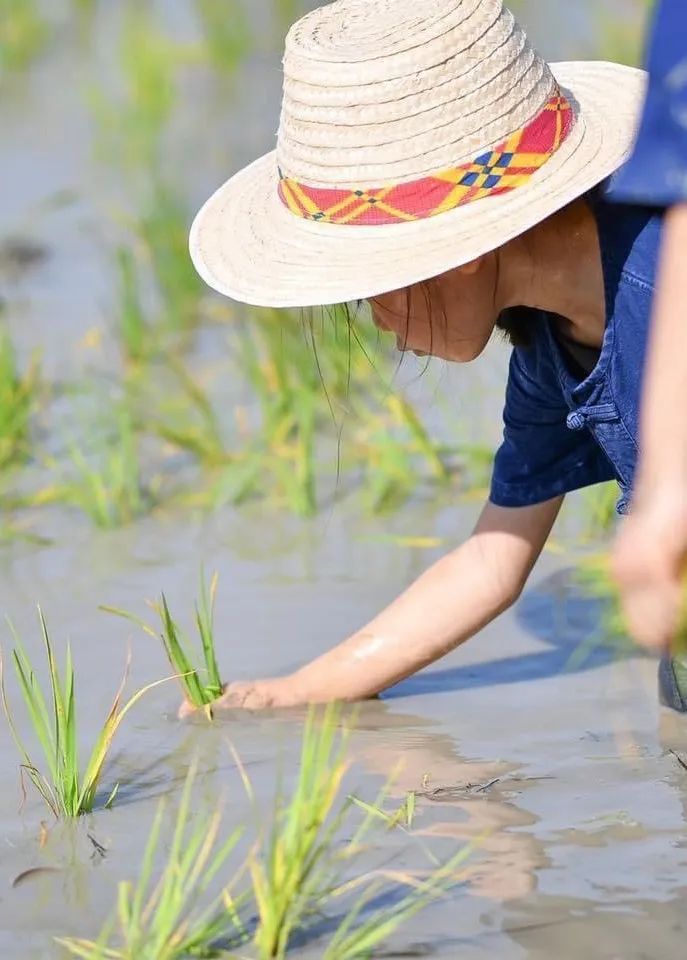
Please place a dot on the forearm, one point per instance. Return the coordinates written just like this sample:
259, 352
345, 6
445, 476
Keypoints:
663, 444
449, 603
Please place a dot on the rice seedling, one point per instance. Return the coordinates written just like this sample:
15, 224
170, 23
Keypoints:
165, 918
163, 233
131, 125
593, 574
304, 388
277, 363
600, 504
226, 33
85, 7
107, 483
18, 397
23, 33
201, 686
68, 788
187, 419
287, 11
306, 383
296, 871
135, 331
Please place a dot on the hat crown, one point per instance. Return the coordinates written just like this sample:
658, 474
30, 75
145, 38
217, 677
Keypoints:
394, 90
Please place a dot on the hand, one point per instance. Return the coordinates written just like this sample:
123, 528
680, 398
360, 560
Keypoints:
243, 695
648, 564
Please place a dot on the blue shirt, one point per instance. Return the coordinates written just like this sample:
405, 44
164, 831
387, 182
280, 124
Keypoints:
657, 172
561, 432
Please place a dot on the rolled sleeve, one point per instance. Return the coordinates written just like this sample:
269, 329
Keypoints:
540, 457
656, 174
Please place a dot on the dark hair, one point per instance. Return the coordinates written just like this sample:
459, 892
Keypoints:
516, 326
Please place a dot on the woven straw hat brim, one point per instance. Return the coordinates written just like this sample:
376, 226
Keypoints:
248, 246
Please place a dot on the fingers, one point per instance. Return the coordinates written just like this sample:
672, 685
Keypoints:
648, 575
245, 696
240, 695
186, 710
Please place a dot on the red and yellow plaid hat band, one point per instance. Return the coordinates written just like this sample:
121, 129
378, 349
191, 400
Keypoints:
506, 167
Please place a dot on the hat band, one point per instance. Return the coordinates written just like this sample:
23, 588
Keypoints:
506, 167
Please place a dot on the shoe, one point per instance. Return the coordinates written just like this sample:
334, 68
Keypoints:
672, 683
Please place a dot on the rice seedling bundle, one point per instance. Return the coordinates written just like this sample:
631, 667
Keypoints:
201, 686
68, 788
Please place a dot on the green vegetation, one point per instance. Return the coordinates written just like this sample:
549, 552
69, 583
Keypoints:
226, 33
201, 693
324, 403
620, 40
106, 481
135, 334
162, 919
132, 124
321, 402
600, 508
18, 397
297, 870
315, 411
23, 33
68, 789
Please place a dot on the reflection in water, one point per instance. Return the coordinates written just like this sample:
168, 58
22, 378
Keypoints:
561, 614
459, 800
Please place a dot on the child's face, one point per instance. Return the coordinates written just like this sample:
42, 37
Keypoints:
451, 316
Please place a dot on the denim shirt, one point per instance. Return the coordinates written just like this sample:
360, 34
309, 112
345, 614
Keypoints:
562, 433
657, 172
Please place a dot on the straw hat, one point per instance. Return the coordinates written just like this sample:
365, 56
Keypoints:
415, 135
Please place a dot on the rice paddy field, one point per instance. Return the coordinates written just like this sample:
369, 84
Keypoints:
192, 492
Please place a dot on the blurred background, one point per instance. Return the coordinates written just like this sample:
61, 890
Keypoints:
127, 387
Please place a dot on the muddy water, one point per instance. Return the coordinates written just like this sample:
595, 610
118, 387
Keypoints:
558, 768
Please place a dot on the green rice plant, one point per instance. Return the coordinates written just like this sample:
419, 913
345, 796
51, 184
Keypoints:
305, 382
297, 868
593, 574
279, 365
160, 296
131, 124
23, 33
165, 918
226, 33
287, 11
404, 816
85, 7
162, 231
600, 504
107, 483
68, 788
201, 686
135, 333
186, 418
18, 397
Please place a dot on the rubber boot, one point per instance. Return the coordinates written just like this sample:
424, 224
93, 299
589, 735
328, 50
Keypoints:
672, 683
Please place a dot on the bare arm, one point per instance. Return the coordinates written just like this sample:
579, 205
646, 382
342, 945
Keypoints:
652, 546
455, 598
